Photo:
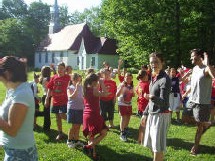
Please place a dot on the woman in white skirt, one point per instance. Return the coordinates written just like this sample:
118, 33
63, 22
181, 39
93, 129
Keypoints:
156, 112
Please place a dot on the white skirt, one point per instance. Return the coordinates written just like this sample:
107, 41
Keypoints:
156, 131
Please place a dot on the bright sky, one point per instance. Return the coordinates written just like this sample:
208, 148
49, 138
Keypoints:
73, 5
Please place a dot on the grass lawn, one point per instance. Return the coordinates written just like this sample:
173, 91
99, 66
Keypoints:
179, 142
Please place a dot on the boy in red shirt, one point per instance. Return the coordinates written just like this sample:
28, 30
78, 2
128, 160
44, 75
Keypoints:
107, 103
57, 89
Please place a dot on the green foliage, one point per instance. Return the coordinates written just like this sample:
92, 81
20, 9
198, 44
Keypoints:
172, 27
14, 8
22, 28
36, 21
168, 26
13, 41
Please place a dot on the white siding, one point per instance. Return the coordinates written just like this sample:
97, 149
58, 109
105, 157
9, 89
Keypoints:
72, 60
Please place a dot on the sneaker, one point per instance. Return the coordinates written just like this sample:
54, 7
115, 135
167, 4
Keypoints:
111, 126
79, 143
59, 137
71, 144
123, 137
126, 131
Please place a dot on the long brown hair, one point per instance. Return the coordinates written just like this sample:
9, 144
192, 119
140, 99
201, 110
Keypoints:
45, 73
89, 80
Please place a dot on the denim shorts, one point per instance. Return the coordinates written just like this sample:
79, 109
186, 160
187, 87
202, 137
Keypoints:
75, 116
29, 154
59, 109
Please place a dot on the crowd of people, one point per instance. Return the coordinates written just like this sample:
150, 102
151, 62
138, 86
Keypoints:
90, 102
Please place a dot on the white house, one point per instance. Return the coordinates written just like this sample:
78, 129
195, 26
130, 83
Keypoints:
74, 45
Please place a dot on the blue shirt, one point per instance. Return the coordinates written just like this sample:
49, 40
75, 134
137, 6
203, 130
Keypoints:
25, 136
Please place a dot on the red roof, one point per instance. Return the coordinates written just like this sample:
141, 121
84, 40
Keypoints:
70, 37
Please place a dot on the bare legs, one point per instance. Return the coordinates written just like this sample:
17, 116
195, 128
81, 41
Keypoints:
141, 134
93, 141
201, 129
73, 133
59, 118
124, 122
158, 156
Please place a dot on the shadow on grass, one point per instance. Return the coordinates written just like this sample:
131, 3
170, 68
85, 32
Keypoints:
107, 154
178, 144
132, 133
52, 134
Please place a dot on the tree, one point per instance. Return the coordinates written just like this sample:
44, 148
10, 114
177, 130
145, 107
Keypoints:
23, 27
13, 41
37, 21
14, 9
172, 27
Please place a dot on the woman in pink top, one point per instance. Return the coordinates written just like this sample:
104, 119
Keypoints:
93, 123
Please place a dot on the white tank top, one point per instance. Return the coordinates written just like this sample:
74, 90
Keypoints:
201, 86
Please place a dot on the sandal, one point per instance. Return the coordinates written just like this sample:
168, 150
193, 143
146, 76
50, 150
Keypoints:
95, 157
88, 149
194, 151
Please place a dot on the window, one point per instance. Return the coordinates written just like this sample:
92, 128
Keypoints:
46, 57
78, 61
53, 56
61, 54
93, 61
40, 59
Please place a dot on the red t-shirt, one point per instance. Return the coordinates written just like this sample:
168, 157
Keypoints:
213, 88
121, 78
59, 85
111, 87
142, 87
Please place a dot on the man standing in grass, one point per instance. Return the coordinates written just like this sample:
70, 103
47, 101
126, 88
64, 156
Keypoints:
200, 94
